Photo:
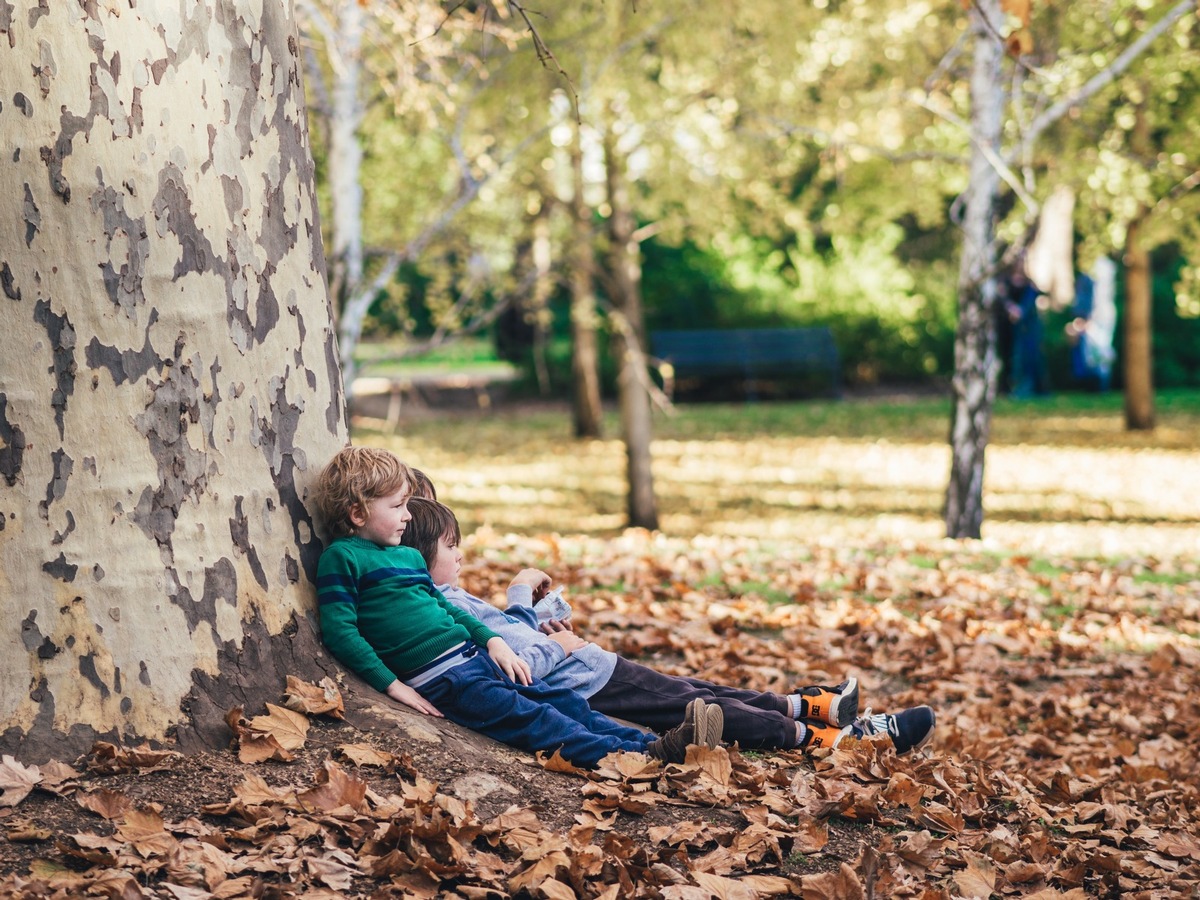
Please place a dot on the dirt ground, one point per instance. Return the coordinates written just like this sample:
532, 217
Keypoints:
50, 832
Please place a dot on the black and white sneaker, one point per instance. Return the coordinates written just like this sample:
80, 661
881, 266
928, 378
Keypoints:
909, 729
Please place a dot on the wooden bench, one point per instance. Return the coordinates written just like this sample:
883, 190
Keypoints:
792, 356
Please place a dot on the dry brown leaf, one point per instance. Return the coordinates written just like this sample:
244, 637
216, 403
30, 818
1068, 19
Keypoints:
289, 728
256, 748
16, 781
335, 788
364, 755
724, 888
555, 763
543, 869
58, 778
714, 763
314, 699
109, 759
145, 831
840, 885
21, 831
105, 803
256, 792
334, 869
978, 880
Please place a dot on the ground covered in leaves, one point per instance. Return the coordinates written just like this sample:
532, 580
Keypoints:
1065, 763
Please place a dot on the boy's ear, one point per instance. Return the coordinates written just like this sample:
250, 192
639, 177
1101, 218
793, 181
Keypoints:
357, 515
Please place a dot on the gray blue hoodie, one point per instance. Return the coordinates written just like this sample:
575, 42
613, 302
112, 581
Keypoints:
585, 671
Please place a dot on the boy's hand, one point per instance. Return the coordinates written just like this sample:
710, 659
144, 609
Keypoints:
402, 693
552, 626
568, 640
510, 664
536, 579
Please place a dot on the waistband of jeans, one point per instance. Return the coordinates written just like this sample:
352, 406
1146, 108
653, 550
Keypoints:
453, 657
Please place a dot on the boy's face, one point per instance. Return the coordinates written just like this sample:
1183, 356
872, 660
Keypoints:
385, 519
446, 564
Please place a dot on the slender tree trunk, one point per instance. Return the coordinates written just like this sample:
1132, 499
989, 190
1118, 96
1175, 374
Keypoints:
586, 408
345, 176
168, 374
633, 397
975, 358
345, 150
1138, 363
1138, 353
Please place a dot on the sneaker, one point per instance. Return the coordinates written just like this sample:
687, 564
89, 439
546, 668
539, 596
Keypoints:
834, 705
820, 734
909, 729
702, 724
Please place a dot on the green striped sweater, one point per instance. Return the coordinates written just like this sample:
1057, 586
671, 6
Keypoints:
381, 616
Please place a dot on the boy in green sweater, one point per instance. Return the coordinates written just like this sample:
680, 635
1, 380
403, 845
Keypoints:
382, 617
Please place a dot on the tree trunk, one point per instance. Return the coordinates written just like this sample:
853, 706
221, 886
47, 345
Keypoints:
633, 397
1138, 364
1138, 352
169, 382
345, 152
585, 360
975, 358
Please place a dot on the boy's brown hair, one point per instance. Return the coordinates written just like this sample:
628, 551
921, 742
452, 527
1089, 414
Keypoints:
352, 479
431, 521
422, 486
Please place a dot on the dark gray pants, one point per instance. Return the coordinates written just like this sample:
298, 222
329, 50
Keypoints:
757, 721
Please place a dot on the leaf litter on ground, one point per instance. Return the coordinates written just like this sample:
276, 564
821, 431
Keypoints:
1065, 762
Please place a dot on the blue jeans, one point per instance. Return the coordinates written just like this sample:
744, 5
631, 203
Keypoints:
479, 696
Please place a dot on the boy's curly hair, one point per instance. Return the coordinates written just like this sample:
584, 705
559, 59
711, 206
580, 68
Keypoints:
431, 521
354, 477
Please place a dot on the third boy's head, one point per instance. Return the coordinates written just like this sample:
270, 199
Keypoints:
435, 534
365, 491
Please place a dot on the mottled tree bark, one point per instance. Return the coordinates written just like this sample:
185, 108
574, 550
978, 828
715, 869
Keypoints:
586, 409
975, 360
625, 275
169, 380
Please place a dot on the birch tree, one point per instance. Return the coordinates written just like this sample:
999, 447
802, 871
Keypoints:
976, 364
169, 378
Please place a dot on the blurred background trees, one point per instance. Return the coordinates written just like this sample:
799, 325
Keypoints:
782, 165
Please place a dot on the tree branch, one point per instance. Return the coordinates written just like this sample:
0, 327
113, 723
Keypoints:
1102, 78
993, 158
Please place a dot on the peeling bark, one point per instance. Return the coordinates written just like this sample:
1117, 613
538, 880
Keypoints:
168, 377
976, 364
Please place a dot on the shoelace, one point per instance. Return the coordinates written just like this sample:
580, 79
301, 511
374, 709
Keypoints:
868, 724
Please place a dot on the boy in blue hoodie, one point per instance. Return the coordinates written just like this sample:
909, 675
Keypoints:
810, 718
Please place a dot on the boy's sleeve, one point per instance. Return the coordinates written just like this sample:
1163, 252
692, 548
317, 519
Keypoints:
337, 599
520, 605
479, 632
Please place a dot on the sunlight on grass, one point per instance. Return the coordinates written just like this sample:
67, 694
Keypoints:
861, 471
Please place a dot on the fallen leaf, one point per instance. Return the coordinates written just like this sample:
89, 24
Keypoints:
314, 699
105, 803
978, 880
289, 728
16, 780
364, 755
26, 832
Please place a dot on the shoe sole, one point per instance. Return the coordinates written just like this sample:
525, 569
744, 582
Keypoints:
714, 726
844, 709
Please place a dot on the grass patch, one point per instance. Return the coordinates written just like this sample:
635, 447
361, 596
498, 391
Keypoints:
1165, 578
768, 592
